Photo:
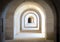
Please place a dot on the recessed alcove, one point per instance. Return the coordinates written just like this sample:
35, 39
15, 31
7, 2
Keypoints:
29, 20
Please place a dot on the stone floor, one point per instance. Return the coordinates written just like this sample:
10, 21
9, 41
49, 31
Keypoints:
29, 41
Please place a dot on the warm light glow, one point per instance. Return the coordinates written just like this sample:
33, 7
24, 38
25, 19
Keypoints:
17, 15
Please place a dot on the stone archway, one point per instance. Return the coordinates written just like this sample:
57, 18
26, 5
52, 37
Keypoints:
8, 17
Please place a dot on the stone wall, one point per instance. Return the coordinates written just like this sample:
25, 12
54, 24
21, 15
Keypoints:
57, 6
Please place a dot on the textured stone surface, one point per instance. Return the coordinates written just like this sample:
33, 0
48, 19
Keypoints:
29, 41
